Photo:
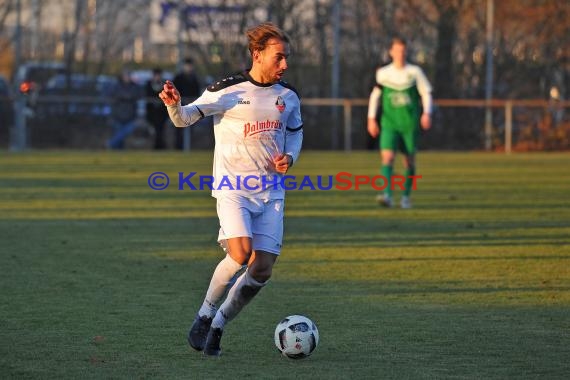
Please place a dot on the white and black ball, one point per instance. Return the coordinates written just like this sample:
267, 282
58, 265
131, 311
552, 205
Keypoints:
296, 336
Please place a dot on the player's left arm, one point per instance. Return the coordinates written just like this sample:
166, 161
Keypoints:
425, 89
293, 141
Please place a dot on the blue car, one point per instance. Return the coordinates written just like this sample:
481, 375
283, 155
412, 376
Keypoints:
6, 106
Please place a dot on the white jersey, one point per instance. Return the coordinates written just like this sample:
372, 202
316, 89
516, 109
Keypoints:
402, 81
253, 124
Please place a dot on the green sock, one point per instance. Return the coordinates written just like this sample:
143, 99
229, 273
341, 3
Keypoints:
386, 171
409, 181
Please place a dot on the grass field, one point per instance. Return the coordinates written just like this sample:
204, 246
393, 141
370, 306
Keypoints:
101, 276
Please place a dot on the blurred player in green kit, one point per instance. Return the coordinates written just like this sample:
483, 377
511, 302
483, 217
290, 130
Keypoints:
406, 100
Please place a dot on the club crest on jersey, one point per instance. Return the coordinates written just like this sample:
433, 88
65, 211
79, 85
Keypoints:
280, 104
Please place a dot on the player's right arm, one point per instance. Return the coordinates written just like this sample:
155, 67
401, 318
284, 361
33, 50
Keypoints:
169, 94
184, 116
372, 125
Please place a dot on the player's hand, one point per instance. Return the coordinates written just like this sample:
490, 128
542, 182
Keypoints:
169, 94
425, 121
283, 163
373, 128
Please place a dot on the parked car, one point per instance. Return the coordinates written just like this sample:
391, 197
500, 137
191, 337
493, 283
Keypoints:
76, 94
32, 76
140, 77
6, 105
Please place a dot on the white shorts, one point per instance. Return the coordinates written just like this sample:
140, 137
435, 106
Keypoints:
261, 220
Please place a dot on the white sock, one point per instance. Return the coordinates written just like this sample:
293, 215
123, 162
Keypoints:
222, 277
243, 291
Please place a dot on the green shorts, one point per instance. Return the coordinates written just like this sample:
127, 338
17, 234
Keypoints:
404, 141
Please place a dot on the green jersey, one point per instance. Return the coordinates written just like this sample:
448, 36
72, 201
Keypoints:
403, 92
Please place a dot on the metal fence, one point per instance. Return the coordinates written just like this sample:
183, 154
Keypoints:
458, 124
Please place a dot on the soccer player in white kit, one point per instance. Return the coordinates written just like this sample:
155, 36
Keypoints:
258, 133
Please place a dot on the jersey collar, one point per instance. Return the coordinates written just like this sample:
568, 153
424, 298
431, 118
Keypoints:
249, 78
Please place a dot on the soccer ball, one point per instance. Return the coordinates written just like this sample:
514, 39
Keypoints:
296, 336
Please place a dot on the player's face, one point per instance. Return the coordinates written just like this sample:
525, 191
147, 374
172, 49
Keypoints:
398, 53
272, 60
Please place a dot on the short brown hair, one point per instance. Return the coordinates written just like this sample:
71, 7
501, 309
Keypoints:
259, 35
399, 40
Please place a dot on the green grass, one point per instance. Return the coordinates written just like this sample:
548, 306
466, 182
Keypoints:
101, 276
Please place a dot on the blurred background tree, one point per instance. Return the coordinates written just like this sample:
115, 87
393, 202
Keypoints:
531, 44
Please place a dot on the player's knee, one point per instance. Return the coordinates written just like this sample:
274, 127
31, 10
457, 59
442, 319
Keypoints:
240, 256
260, 274
239, 250
388, 158
409, 162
